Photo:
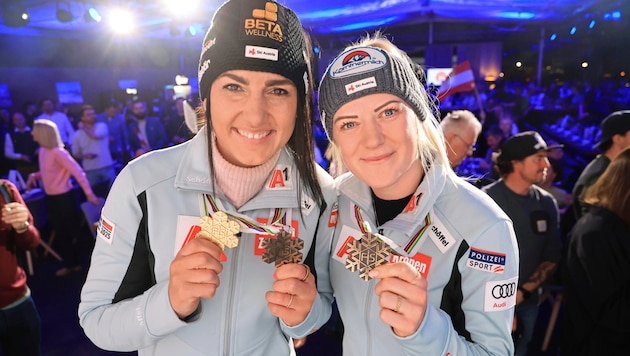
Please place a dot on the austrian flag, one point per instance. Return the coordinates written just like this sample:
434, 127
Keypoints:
460, 80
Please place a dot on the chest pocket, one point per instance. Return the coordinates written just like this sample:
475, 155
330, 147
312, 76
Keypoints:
539, 221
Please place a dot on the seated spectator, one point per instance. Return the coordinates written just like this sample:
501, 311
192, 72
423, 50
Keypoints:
597, 268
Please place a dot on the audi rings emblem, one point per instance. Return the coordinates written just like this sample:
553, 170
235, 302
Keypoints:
504, 290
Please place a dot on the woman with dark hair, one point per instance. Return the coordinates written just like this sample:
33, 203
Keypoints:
202, 247
597, 270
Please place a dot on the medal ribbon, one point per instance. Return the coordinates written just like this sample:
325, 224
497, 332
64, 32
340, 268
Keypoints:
411, 246
278, 218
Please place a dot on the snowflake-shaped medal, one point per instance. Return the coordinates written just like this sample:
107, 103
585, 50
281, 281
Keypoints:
282, 249
219, 229
366, 254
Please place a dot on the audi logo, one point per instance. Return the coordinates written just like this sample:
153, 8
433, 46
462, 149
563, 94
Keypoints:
504, 290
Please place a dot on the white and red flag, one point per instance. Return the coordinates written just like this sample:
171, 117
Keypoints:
460, 80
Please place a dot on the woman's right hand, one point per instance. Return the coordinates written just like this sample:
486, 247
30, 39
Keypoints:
194, 274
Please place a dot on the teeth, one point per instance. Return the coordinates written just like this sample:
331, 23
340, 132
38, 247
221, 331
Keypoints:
254, 136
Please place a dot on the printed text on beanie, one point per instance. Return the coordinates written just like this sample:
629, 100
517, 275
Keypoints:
255, 35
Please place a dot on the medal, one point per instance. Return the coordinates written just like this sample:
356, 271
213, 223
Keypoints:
219, 230
282, 249
366, 254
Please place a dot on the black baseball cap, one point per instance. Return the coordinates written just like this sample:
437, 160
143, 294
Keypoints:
617, 123
522, 145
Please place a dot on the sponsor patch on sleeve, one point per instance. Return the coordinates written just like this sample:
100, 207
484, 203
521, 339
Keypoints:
487, 261
105, 229
500, 295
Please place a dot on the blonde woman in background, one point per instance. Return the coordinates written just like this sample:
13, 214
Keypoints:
62, 208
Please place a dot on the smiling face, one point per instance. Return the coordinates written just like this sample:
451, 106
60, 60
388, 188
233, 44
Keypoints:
377, 136
253, 115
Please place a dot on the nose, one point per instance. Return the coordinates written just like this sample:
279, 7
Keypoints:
255, 109
372, 133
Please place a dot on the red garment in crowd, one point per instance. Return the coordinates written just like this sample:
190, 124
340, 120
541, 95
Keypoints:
12, 276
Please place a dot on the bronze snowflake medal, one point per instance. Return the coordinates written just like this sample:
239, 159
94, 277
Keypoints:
282, 249
219, 230
366, 254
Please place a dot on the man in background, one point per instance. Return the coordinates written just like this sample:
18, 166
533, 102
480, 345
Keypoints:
461, 129
615, 137
522, 163
66, 131
90, 145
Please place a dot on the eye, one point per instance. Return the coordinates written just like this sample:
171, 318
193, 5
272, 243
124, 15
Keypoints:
232, 87
347, 125
279, 91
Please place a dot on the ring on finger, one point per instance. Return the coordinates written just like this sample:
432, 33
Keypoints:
398, 303
307, 274
290, 301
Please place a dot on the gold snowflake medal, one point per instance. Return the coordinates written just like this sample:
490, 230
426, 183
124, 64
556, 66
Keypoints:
281, 249
366, 254
219, 230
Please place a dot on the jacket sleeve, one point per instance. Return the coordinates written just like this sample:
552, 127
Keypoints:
489, 330
322, 306
136, 320
29, 239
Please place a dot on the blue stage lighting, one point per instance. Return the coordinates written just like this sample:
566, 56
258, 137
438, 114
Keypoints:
92, 15
573, 29
553, 37
591, 25
616, 15
316, 49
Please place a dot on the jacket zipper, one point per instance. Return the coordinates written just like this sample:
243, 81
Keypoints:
368, 304
228, 316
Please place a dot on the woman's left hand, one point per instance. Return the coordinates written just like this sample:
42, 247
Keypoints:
293, 293
402, 296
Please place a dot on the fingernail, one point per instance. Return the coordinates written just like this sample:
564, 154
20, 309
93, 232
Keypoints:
373, 273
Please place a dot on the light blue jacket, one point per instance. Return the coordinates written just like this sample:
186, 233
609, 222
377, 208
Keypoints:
468, 252
152, 205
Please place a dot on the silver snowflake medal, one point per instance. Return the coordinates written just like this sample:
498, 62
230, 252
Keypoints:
281, 248
366, 254
219, 230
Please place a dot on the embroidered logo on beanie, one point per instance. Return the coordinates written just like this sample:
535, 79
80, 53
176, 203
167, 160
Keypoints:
364, 70
256, 35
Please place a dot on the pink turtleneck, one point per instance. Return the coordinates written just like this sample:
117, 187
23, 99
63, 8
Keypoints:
240, 184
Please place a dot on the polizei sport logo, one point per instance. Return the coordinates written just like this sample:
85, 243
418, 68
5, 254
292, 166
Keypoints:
487, 261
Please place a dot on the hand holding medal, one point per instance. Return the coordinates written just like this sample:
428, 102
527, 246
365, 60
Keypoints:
402, 295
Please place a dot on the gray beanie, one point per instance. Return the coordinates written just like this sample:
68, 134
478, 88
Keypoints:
257, 35
365, 70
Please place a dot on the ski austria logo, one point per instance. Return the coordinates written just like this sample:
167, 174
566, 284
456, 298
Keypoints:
357, 61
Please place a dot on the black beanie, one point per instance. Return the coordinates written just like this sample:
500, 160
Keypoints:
255, 35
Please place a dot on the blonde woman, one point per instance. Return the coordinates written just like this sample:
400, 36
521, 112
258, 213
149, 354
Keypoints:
56, 166
423, 263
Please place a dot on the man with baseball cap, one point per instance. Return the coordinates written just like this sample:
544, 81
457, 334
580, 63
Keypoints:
522, 163
615, 137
